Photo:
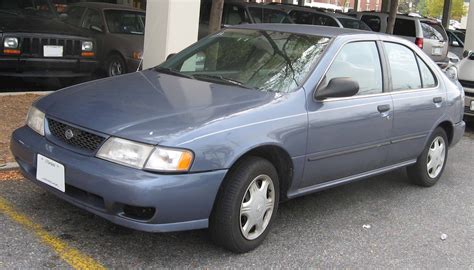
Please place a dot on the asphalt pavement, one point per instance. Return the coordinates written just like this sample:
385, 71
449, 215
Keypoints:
381, 222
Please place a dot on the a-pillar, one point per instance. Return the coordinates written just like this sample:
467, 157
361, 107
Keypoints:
171, 25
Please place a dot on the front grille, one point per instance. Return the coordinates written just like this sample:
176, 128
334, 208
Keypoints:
468, 110
80, 139
33, 46
467, 84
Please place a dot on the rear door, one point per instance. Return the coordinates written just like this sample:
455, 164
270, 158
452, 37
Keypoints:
435, 40
418, 99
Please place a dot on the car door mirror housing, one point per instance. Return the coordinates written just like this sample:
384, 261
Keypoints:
337, 87
96, 28
455, 43
170, 56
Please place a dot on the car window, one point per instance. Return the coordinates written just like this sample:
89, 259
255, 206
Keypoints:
404, 28
301, 17
324, 20
354, 24
403, 67
359, 61
427, 78
235, 15
125, 22
262, 60
266, 15
373, 22
92, 18
430, 32
74, 15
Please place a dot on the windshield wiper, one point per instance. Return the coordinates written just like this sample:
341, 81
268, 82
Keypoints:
220, 78
172, 72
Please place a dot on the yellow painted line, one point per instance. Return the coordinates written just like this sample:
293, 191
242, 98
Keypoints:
72, 256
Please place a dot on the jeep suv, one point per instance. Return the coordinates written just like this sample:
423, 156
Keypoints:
35, 43
466, 78
427, 34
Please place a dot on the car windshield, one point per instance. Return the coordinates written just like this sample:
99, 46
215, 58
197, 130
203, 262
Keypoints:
125, 22
28, 7
354, 24
257, 59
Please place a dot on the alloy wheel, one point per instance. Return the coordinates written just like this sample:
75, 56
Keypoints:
436, 157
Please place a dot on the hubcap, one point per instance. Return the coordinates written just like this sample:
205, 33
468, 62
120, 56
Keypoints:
257, 207
115, 68
436, 156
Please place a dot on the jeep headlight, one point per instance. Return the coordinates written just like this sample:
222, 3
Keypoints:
10, 43
452, 73
145, 156
87, 46
35, 120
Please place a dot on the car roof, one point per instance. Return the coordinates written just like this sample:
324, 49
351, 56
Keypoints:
257, 5
317, 30
102, 6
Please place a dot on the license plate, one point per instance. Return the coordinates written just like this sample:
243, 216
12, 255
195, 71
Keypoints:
50, 172
436, 51
52, 51
472, 105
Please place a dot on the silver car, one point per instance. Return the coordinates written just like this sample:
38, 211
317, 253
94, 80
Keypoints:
427, 34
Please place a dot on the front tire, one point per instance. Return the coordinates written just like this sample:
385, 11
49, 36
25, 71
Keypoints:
115, 66
431, 163
246, 205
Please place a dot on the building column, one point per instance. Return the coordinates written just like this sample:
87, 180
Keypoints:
469, 41
171, 25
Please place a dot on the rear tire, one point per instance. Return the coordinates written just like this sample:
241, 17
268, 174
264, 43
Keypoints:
246, 205
431, 163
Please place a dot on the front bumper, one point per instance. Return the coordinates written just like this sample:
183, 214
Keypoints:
181, 201
467, 103
46, 67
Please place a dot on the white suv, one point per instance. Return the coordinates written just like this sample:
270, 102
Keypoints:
466, 78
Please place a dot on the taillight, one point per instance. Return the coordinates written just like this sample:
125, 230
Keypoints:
419, 42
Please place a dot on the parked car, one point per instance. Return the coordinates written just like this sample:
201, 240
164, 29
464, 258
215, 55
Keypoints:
456, 42
35, 43
427, 34
235, 13
216, 138
306, 15
466, 78
119, 31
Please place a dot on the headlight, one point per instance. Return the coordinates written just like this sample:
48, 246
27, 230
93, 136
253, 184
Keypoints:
136, 155
87, 46
170, 160
10, 43
35, 120
452, 73
125, 152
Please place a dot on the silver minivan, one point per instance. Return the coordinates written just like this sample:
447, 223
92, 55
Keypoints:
426, 33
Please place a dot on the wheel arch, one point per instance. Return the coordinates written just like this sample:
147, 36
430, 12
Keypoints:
112, 53
447, 126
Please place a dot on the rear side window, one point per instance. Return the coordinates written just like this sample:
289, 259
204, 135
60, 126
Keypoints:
235, 15
433, 31
404, 28
301, 17
359, 61
427, 78
324, 20
354, 24
373, 22
266, 15
403, 67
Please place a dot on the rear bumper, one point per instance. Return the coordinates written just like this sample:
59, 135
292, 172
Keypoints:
46, 67
458, 132
181, 202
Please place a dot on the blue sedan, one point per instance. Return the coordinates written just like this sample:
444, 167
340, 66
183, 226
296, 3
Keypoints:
220, 133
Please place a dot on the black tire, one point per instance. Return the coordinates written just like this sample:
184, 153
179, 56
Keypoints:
115, 65
225, 220
418, 172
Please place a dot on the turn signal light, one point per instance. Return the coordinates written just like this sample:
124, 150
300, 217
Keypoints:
11, 51
87, 54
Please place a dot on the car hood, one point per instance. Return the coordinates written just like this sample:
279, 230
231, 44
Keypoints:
36, 24
149, 106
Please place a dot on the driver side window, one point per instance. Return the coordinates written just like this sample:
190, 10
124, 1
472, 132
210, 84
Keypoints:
359, 61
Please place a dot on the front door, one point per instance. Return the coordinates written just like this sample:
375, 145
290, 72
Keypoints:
349, 136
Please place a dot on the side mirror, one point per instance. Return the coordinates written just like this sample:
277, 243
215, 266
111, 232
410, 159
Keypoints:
455, 43
170, 56
467, 53
338, 87
96, 28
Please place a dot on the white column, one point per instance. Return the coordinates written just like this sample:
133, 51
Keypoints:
171, 25
469, 42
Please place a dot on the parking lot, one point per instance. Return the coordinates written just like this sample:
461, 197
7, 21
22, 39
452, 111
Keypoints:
384, 221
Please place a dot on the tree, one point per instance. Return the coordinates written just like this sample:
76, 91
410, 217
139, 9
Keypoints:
216, 16
392, 16
434, 8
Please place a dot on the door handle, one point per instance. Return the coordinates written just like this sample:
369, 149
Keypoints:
437, 99
383, 108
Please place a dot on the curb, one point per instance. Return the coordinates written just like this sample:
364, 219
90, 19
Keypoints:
8, 166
